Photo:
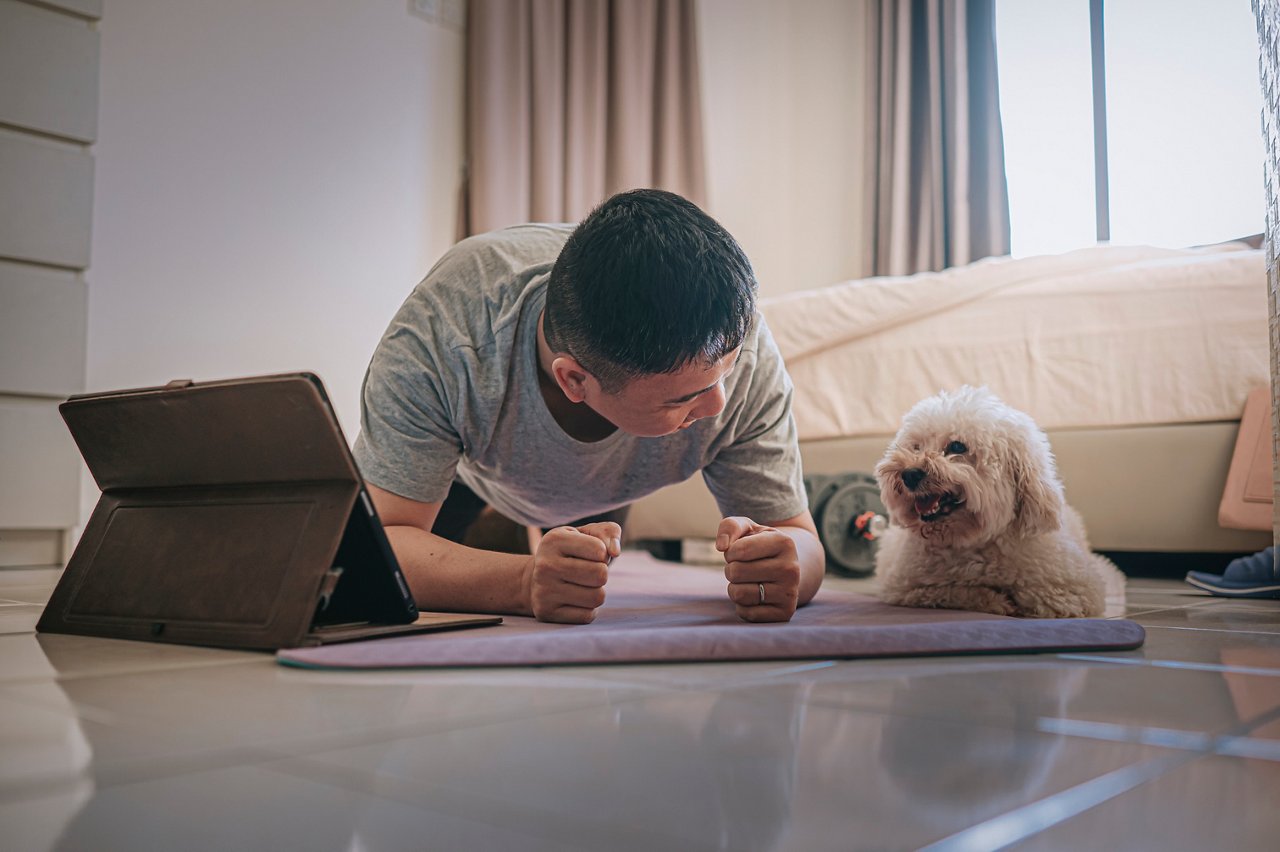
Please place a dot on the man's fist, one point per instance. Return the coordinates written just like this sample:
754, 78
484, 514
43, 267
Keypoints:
568, 572
762, 567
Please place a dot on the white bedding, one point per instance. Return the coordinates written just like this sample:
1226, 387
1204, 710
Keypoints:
1098, 337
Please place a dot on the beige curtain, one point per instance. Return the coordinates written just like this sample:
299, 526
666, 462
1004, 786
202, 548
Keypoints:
570, 101
1267, 13
936, 150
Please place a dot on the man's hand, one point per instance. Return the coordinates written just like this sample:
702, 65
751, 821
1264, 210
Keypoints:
568, 572
762, 567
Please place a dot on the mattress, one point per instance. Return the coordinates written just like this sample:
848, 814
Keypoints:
1099, 337
1110, 476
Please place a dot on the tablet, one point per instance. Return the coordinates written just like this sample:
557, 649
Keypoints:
232, 514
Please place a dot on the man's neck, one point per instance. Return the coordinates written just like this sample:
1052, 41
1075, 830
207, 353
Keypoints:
577, 419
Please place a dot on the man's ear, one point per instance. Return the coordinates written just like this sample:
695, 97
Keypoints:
571, 377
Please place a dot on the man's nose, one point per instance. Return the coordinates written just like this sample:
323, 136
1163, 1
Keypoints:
710, 403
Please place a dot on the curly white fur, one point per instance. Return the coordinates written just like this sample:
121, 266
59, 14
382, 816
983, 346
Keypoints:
978, 517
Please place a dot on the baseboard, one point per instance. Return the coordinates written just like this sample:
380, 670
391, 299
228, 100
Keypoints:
22, 548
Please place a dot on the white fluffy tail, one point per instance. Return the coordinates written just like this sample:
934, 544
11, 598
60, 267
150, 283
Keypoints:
1113, 584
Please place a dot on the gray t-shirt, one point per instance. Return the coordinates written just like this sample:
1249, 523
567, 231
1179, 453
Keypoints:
452, 390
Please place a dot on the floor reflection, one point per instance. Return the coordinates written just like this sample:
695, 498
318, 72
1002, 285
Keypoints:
992, 760
1256, 696
677, 770
106, 744
44, 777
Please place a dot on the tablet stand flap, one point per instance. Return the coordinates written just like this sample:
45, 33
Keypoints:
234, 567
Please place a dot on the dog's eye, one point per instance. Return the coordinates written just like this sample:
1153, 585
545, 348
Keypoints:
955, 448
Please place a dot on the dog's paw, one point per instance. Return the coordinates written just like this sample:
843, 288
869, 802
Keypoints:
971, 598
989, 599
1060, 606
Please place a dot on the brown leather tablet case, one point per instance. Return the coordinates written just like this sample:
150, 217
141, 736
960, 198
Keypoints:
232, 514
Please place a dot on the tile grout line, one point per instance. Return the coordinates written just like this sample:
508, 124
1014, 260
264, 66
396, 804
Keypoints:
1021, 823
1173, 664
1211, 629
1219, 744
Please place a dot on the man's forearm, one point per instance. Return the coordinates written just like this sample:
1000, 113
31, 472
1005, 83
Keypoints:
444, 575
813, 561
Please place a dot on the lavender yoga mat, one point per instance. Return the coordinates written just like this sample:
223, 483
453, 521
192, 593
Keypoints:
662, 612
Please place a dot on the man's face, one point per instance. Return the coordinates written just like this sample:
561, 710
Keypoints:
656, 405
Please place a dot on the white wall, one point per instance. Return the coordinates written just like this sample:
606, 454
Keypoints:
272, 180
784, 94
274, 176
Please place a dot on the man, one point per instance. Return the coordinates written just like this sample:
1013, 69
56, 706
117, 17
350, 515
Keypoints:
559, 373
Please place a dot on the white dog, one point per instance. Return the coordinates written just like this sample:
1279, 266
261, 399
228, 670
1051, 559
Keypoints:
978, 518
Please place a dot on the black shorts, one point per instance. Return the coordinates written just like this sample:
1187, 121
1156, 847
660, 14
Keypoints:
462, 506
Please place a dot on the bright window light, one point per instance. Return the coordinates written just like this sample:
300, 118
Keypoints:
1184, 121
1183, 113
1046, 108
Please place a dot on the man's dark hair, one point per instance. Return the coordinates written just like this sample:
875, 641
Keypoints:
647, 284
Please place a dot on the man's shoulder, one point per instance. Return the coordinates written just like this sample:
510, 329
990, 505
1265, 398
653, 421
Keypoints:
515, 247
758, 349
486, 273
492, 266
760, 376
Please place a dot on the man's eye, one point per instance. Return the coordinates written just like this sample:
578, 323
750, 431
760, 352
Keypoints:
955, 448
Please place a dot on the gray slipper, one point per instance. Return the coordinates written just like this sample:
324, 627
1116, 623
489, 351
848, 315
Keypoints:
1247, 577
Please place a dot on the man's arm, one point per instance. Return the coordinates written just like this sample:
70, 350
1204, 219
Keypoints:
563, 581
784, 559
813, 559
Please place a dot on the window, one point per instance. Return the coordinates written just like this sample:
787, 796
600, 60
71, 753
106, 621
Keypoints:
1183, 128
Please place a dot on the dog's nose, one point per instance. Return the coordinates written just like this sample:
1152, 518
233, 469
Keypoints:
911, 477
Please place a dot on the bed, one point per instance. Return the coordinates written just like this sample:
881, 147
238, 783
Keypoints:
1135, 360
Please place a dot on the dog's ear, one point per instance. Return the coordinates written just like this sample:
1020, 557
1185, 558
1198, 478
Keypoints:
1038, 491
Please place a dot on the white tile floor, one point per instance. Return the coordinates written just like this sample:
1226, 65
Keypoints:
109, 745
